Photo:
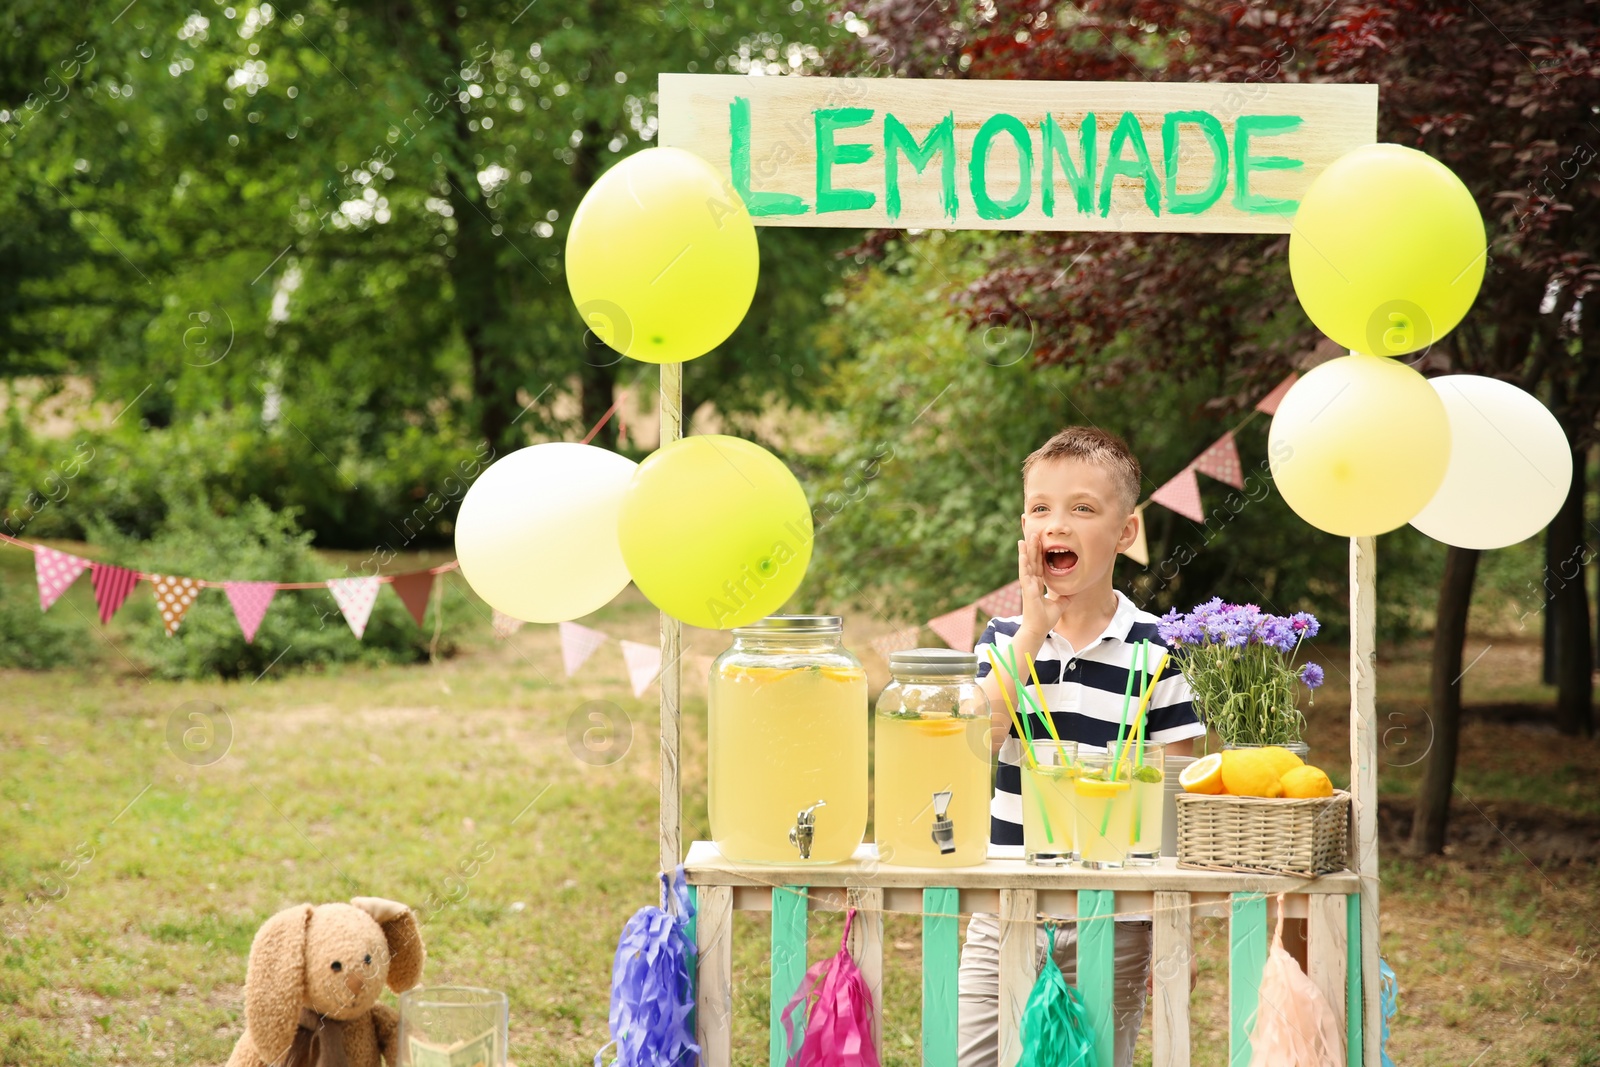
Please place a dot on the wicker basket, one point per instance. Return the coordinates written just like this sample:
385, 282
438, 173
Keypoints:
1225, 833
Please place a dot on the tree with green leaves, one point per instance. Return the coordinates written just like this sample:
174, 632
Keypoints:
322, 246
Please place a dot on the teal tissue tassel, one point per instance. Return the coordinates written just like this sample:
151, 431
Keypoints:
1055, 1025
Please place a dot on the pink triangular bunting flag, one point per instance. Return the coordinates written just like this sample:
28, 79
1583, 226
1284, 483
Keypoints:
1182, 494
955, 628
355, 597
644, 663
111, 587
578, 643
1221, 461
413, 590
896, 641
1005, 601
505, 625
1139, 551
250, 601
1268, 405
174, 596
55, 572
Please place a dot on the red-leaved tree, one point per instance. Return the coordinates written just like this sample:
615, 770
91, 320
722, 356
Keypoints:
1507, 94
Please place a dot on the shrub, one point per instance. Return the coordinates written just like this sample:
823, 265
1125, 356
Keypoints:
35, 640
400, 491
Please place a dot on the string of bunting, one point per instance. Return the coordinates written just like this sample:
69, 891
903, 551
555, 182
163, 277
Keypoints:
55, 571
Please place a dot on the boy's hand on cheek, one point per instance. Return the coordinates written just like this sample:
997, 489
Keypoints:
1040, 611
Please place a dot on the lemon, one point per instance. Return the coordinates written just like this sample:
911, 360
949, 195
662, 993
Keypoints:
940, 727
1093, 787
1307, 781
1204, 775
1248, 772
1283, 761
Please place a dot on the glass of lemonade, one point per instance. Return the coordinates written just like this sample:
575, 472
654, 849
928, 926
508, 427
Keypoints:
1103, 795
1048, 837
787, 752
1149, 803
931, 763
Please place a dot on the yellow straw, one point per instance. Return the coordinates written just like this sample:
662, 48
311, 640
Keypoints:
1144, 702
1122, 753
1049, 720
1027, 742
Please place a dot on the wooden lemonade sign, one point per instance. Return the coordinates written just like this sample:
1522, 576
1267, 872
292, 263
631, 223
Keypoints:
1016, 155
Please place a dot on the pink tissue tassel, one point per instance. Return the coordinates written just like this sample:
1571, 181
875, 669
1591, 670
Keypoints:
838, 1013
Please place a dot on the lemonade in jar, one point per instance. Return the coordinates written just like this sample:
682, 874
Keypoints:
787, 758
931, 771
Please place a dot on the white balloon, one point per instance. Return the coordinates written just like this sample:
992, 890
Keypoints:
1510, 465
537, 532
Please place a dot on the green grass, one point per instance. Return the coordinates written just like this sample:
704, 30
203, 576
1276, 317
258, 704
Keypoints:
131, 882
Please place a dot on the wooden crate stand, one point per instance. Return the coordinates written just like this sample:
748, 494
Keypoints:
1341, 908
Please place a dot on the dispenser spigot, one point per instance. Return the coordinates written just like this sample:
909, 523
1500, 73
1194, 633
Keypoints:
944, 831
804, 829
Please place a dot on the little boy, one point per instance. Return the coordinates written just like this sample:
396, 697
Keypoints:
1079, 492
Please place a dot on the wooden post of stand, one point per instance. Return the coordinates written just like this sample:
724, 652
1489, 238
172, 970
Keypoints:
671, 668
1364, 780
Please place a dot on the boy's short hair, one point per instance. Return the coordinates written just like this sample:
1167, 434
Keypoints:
1093, 445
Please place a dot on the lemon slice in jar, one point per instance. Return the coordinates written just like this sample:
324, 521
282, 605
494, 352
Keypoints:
944, 726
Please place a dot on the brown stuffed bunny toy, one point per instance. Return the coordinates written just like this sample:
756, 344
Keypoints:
311, 991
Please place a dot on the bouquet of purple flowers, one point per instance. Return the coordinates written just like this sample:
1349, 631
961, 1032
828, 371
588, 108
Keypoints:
1240, 664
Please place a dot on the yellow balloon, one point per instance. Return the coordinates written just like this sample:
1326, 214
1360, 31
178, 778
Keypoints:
661, 257
715, 531
1359, 445
1387, 250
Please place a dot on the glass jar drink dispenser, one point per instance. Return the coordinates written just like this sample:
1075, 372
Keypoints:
931, 771
787, 725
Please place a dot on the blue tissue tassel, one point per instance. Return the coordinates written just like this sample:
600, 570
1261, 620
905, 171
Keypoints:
1055, 1025
652, 986
1389, 997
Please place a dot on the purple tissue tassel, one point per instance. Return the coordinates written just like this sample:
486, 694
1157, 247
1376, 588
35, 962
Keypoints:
652, 988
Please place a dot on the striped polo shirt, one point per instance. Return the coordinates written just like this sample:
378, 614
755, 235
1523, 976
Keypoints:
1083, 688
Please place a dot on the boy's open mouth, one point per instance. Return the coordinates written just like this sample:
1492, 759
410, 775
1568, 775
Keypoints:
1060, 561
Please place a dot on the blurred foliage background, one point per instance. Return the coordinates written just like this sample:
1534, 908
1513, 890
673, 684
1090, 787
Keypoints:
273, 280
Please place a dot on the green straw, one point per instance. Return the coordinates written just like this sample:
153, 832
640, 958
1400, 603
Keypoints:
1021, 722
1144, 674
1138, 724
1030, 705
1127, 694
1138, 761
1121, 748
1049, 720
1138, 751
1144, 703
